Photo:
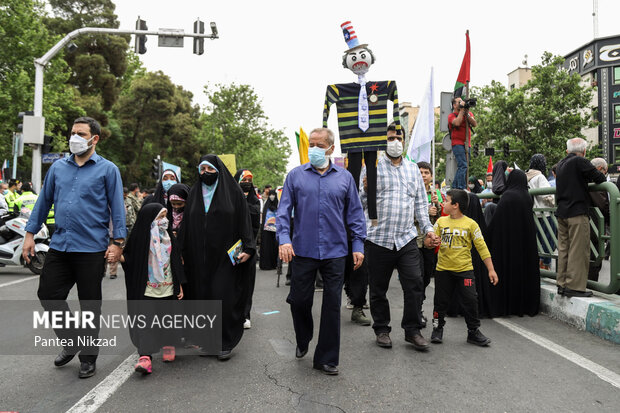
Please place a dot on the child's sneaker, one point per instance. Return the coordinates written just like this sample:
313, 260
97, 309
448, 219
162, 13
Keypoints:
169, 353
476, 337
144, 365
437, 335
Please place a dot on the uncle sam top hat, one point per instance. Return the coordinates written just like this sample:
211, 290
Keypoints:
350, 37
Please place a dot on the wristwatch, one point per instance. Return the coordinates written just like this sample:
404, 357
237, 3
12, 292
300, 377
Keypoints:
119, 244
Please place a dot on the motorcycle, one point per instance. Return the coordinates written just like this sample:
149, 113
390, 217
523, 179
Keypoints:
12, 234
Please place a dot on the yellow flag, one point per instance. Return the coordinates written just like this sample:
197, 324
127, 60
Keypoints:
302, 145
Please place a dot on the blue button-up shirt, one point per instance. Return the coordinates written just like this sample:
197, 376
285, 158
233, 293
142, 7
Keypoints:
84, 198
327, 207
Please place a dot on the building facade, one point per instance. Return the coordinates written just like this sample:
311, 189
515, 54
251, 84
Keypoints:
598, 64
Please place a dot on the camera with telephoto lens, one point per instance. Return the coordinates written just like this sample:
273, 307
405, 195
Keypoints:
469, 103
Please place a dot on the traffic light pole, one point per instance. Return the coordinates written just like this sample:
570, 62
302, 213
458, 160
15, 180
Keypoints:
43, 61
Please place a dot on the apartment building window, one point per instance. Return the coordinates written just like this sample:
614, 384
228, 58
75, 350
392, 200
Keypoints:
617, 113
616, 75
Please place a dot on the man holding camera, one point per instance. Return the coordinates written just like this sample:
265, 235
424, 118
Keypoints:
460, 122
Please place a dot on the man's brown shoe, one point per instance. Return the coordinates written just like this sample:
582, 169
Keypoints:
383, 340
419, 342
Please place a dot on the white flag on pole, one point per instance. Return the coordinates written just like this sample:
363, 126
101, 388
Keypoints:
424, 128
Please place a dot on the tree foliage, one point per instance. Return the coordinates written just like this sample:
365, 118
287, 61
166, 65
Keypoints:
537, 118
25, 38
236, 123
153, 117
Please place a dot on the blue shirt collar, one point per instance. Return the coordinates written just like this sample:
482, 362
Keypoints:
332, 167
94, 157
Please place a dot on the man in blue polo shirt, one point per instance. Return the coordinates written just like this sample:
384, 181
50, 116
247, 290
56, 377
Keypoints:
87, 191
327, 207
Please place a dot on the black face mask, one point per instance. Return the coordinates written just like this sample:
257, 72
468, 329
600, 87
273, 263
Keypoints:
208, 178
246, 186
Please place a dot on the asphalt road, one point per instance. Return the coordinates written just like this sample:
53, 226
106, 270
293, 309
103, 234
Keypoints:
514, 374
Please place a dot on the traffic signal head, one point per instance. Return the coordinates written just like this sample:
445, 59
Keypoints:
476, 150
155, 169
47, 144
506, 149
199, 43
20, 115
140, 46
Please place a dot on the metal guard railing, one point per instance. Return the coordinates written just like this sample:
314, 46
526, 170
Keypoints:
597, 225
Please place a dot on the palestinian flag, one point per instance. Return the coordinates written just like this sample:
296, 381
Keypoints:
463, 79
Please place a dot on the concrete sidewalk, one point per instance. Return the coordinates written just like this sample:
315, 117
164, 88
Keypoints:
600, 314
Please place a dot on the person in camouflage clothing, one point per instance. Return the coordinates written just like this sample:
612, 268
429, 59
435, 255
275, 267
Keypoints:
132, 205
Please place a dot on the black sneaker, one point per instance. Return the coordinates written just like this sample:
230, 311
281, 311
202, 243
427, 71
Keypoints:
476, 337
437, 335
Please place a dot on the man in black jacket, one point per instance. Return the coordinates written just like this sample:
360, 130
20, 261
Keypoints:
573, 175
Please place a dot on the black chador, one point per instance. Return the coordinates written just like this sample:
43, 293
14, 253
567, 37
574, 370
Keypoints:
511, 237
206, 235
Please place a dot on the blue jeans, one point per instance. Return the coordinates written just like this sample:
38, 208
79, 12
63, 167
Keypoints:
460, 177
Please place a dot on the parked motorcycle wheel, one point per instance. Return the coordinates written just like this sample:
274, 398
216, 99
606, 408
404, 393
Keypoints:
36, 264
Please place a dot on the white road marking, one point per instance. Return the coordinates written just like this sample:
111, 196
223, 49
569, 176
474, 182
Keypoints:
603, 373
19, 281
101, 392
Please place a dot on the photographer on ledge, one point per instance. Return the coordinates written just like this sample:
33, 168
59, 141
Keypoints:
460, 122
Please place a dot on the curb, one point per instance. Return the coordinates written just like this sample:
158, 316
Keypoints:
599, 315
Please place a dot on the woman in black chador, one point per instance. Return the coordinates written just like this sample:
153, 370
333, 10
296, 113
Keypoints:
216, 217
511, 238
268, 243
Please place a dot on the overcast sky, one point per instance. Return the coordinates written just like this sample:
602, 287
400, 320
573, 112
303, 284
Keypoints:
289, 51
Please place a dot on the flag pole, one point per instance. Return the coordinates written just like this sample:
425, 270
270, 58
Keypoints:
468, 136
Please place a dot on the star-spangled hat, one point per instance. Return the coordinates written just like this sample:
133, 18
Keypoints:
350, 37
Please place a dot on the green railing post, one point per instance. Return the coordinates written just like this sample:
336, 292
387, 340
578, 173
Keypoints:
599, 228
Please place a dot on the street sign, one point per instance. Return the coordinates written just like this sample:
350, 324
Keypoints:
175, 39
51, 157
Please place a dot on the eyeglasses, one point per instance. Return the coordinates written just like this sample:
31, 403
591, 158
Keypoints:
392, 138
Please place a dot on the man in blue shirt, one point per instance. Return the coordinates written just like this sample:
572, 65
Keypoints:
87, 191
327, 207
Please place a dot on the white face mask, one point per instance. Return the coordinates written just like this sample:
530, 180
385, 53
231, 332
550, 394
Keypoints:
394, 148
471, 186
489, 185
272, 197
78, 145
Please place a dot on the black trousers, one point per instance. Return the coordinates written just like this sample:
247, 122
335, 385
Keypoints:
355, 282
355, 167
63, 270
429, 262
463, 284
301, 297
381, 264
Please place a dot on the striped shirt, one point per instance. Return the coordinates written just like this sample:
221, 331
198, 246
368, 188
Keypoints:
346, 96
401, 200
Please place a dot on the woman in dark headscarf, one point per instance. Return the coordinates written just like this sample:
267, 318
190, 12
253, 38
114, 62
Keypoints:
216, 217
168, 178
269, 245
153, 271
245, 179
474, 186
177, 196
498, 186
511, 238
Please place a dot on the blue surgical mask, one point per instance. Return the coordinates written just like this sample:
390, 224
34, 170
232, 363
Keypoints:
317, 157
6, 191
167, 184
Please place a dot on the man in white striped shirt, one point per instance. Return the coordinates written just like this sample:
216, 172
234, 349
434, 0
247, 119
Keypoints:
401, 198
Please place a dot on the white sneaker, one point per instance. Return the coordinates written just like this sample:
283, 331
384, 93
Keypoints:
349, 305
247, 324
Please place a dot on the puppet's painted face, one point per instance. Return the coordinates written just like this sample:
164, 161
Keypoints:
359, 61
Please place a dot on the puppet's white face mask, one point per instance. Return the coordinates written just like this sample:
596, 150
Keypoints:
359, 61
